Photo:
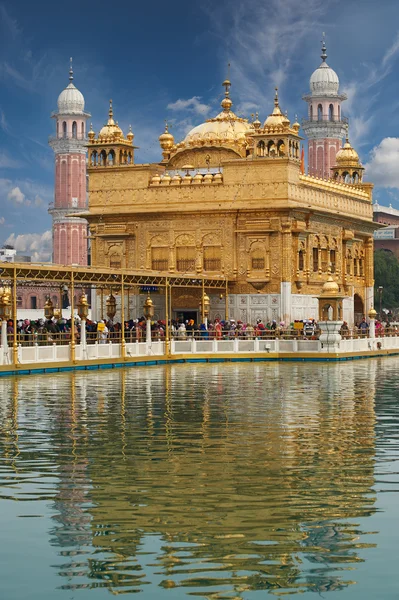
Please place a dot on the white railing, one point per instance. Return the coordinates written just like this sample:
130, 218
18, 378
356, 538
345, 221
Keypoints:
55, 353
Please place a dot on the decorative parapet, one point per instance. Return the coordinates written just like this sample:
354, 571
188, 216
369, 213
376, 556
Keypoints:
177, 180
335, 186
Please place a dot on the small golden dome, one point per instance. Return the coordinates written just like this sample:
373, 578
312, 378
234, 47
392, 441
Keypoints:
330, 288
208, 177
257, 124
130, 134
372, 313
218, 178
155, 180
347, 156
276, 119
176, 179
111, 130
91, 134
198, 178
166, 139
296, 126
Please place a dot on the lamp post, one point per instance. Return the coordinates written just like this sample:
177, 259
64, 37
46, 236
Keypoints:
48, 309
205, 305
111, 306
5, 314
83, 311
148, 313
372, 315
380, 290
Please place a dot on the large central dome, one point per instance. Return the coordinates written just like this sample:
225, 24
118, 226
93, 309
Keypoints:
226, 127
324, 81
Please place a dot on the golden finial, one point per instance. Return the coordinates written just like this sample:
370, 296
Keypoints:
226, 83
91, 133
276, 97
110, 112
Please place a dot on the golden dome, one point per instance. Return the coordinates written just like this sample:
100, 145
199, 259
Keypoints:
372, 313
257, 124
276, 119
130, 134
224, 129
166, 139
91, 134
111, 130
347, 156
330, 288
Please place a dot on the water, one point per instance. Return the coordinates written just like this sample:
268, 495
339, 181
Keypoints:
220, 481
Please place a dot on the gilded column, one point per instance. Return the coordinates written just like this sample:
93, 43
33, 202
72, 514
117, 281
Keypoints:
369, 274
286, 262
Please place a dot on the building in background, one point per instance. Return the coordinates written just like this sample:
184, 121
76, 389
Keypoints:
70, 196
325, 126
388, 237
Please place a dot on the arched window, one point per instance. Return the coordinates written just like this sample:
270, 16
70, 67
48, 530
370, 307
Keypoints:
355, 177
58, 129
319, 112
261, 148
103, 158
331, 112
301, 260
346, 177
33, 301
64, 129
19, 301
339, 112
83, 129
111, 157
311, 112
94, 158
271, 148
74, 129
280, 148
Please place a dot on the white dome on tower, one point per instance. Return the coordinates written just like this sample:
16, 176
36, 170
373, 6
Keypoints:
324, 81
70, 101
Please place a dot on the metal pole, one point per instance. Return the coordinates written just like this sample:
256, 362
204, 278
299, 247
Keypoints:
72, 318
202, 302
123, 343
226, 309
102, 303
14, 319
128, 303
167, 316
83, 343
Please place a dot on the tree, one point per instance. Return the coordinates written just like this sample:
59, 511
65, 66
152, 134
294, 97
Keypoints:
386, 274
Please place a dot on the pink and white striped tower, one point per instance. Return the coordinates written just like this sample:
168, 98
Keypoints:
69, 145
325, 126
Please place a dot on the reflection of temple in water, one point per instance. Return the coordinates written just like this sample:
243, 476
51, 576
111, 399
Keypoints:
237, 473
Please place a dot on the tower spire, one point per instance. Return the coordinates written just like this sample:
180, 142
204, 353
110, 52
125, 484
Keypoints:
70, 70
323, 48
110, 112
276, 97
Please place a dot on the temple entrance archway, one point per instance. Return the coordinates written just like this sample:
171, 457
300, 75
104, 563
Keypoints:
358, 308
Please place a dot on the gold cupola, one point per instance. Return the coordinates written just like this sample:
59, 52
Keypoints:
224, 136
110, 148
277, 138
166, 141
348, 168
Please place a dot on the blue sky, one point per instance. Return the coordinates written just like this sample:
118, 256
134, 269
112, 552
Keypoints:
166, 60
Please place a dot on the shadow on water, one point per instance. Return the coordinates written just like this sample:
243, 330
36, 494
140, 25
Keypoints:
215, 480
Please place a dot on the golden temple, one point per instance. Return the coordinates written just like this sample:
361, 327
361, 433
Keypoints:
232, 199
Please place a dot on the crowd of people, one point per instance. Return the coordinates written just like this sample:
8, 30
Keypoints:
46, 332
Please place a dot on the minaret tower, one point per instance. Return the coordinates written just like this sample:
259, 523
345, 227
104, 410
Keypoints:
325, 126
69, 145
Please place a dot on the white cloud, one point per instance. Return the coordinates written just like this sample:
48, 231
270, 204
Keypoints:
39, 201
15, 195
191, 104
2, 220
263, 39
382, 169
37, 245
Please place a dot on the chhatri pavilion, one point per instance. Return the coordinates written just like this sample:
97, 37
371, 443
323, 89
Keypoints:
232, 199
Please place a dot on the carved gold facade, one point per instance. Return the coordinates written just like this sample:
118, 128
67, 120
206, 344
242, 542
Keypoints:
232, 199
